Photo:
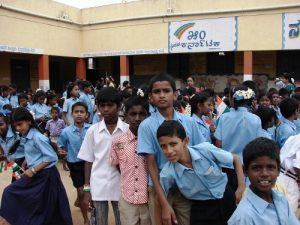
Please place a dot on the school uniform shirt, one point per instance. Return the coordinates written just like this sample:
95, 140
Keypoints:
148, 143
205, 180
278, 112
204, 128
38, 149
55, 127
87, 100
9, 140
134, 173
297, 123
253, 210
236, 129
265, 133
67, 108
40, 110
284, 131
3, 101
96, 147
14, 101
71, 139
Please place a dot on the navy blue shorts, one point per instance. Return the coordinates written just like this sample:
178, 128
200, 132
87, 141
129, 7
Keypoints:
77, 173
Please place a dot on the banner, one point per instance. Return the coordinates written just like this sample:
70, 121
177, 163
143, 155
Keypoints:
291, 31
203, 35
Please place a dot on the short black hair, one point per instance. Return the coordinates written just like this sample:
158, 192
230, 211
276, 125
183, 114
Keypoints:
136, 100
162, 77
283, 92
265, 114
260, 147
55, 109
296, 96
288, 106
108, 94
80, 104
198, 98
171, 128
22, 95
85, 83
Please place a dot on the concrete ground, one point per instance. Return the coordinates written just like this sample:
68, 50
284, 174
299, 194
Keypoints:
5, 178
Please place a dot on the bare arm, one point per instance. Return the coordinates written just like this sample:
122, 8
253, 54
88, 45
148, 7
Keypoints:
64, 117
240, 177
218, 143
87, 198
39, 167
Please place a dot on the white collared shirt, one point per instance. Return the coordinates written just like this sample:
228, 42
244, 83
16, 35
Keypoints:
290, 153
96, 147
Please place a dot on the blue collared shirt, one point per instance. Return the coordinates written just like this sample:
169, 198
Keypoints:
284, 131
9, 140
204, 128
236, 129
38, 149
148, 143
14, 101
253, 210
265, 133
205, 180
71, 139
3, 101
40, 110
297, 123
67, 107
88, 101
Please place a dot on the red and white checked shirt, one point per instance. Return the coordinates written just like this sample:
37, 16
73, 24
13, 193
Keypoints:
134, 173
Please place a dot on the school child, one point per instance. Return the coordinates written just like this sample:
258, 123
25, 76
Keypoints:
4, 91
275, 101
40, 109
262, 204
237, 127
297, 121
39, 197
201, 106
69, 143
289, 108
72, 98
162, 93
263, 99
268, 119
52, 101
13, 98
23, 101
124, 97
86, 88
133, 203
102, 180
197, 172
55, 125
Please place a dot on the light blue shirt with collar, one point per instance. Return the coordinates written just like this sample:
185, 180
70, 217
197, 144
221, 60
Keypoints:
14, 101
236, 129
40, 110
264, 133
3, 101
38, 149
253, 210
9, 140
278, 113
297, 123
67, 108
148, 143
204, 129
71, 139
88, 101
284, 131
205, 180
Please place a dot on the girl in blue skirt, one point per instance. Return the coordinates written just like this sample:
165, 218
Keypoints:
39, 197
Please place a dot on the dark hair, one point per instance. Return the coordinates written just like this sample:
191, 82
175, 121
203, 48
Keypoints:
209, 91
265, 114
85, 84
242, 102
271, 93
108, 94
55, 109
198, 98
125, 83
125, 94
3, 88
171, 128
50, 97
70, 88
80, 104
193, 79
22, 96
288, 76
37, 95
260, 147
251, 84
162, 77
296, 96
136, 100
288, 107
5, 118
297, 89
261, 94
191, 91
283, 92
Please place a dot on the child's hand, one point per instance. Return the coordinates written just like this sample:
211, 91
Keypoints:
239, 193
168, 215
28, 173
24, 165
62, 152
86, 201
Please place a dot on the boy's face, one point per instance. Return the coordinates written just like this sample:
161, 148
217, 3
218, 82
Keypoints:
109, 111
54, 114
23, 102
173, 147
135, 115
79, 114
276, 99
87, 89
162, 95
41, 99
262, 172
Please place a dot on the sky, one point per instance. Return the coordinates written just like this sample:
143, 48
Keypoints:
90, 3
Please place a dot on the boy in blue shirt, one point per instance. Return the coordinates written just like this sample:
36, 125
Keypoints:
162, 93
86, 88
261, 204
289, 108
197, 172
69, 143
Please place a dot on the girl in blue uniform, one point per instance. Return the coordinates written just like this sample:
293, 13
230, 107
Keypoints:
39, 197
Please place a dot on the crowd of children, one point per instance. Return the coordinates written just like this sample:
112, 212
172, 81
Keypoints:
157, 157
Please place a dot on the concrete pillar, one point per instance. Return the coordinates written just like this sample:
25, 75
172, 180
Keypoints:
248, 65
124, 68
81, 69
43, 72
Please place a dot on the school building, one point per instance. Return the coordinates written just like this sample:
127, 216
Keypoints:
45, 44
